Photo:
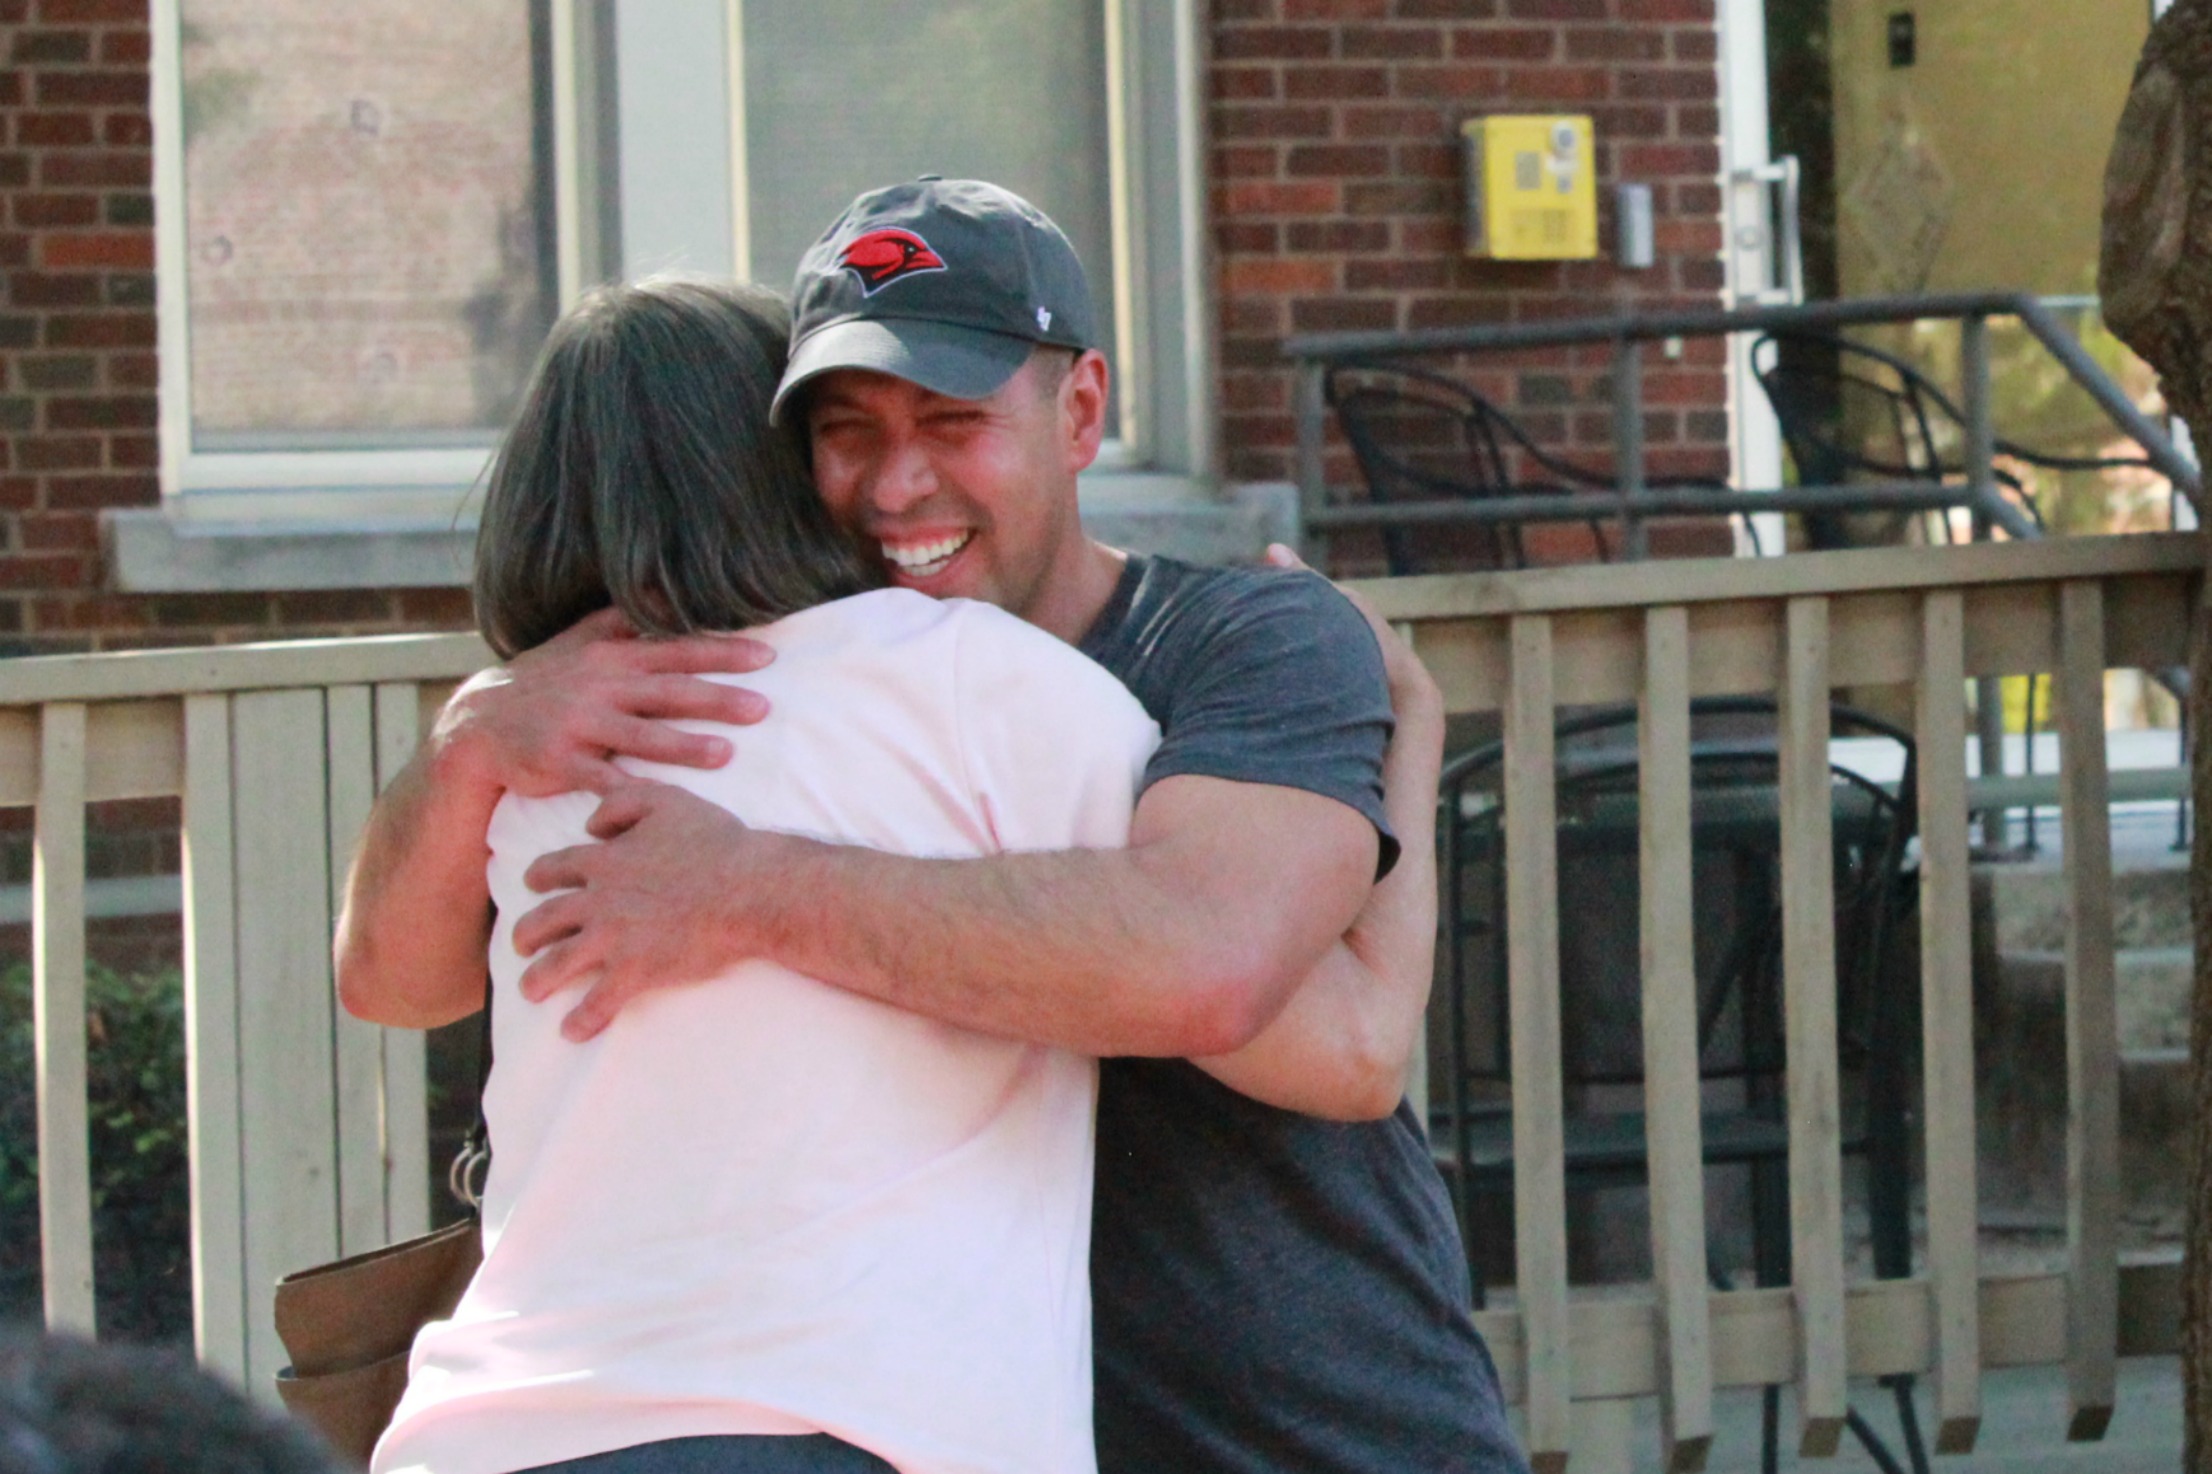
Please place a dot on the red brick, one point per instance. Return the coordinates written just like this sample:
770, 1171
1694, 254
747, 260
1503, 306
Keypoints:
127, 130
1338, 161
1246, 10
90, 89
101, 412
58, 452
1250, 161
1693, 83
1398, 275
1558, 84
1335, 9
1427, 160
134, 371
125, 48
1338, 236
1271, 122
1614, 43
1396, 199
1247, 237
100, 329
1505, 43
1277, 274
1335, 82
1696, 46
55, 130
1464, 82
1283, 43
1344, 315
44, 570
1660, 160
1446, 9
1389, 43
1245, 84
36, 289
1312, 197
116, 250
101, 491
133, 452
1255, 392
92, 12
1558, 9
64, 533
1394, 122
95, 171
48, 211
1634, 11
18, 492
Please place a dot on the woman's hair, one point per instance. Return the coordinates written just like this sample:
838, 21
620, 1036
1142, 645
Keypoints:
641, 472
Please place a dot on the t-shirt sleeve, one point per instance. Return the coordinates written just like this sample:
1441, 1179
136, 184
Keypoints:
1286, 687
1054, 746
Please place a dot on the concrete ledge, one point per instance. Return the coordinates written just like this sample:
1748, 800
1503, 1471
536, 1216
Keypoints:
149, 552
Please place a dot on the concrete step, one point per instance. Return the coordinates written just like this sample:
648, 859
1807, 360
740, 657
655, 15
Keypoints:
2153, 985
2026, 902
2020, 1054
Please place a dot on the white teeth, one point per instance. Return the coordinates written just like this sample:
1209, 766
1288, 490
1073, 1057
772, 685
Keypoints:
921, 559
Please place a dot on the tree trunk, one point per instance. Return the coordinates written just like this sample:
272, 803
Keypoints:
2156, 281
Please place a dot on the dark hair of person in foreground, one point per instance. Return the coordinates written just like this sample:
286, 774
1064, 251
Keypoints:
641, 472
70, 1406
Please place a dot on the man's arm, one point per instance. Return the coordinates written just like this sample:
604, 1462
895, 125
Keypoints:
1342, 1045
412, 934
1186, 942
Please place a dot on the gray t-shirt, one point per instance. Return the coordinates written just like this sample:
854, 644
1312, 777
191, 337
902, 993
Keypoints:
1272, 1294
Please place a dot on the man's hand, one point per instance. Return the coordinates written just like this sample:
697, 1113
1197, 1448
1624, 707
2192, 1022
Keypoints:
552, 719
640, 909
413, 932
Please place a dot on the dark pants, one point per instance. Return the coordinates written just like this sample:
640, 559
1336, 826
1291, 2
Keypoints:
815, 1453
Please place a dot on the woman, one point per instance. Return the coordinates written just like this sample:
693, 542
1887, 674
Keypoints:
761, 1224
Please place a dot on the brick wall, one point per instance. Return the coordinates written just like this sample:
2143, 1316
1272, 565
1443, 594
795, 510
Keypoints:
77, 367
1336, 202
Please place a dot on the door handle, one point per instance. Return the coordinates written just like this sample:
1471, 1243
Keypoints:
1769, 228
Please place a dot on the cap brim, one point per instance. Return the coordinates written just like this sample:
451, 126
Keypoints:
960, 362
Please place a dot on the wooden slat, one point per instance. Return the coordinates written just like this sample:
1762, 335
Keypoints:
1673, 1123
2092, 1017
283, 664
1532, 969
1700, 580
1809, 1014
133, 749
211, 1041
1890, 1325
287, 1094
357, 1048
1735, 644
406, 1097
1947, 1024
58, 1021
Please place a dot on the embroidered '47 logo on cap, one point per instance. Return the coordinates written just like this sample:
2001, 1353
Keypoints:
882, 257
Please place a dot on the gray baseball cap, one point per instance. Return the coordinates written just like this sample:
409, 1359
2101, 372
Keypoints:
947, 283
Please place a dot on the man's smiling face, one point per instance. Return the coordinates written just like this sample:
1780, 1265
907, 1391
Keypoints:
966, 498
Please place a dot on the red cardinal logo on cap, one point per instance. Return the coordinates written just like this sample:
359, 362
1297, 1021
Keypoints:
882, 257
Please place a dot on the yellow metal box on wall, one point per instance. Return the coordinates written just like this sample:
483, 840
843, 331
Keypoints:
1532, 188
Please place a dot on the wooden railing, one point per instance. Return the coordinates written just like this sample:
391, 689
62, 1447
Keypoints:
1660, 634
307, 1129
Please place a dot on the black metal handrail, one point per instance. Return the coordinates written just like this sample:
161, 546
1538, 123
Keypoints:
1635, 500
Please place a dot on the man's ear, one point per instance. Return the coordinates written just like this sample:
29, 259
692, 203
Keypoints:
1083, 395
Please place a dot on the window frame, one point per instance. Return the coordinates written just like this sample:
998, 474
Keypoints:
399, 518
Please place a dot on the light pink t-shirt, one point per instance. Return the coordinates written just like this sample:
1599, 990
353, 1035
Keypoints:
766, 1205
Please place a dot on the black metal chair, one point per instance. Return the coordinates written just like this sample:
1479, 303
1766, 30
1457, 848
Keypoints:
1850, 411
1423, 436
1735, 848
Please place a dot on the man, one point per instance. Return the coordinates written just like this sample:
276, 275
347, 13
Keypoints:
1272, 1290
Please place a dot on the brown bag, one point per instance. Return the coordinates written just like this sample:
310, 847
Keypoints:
348, 1327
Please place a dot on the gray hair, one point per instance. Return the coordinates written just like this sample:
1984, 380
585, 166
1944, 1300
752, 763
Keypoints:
641, 472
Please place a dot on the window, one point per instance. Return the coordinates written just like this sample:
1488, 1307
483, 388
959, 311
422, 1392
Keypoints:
369, 215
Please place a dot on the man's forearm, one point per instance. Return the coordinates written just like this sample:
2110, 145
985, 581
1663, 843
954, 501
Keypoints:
1104, 951
412, 934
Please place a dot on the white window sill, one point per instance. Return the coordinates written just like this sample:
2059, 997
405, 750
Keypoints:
152, 551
